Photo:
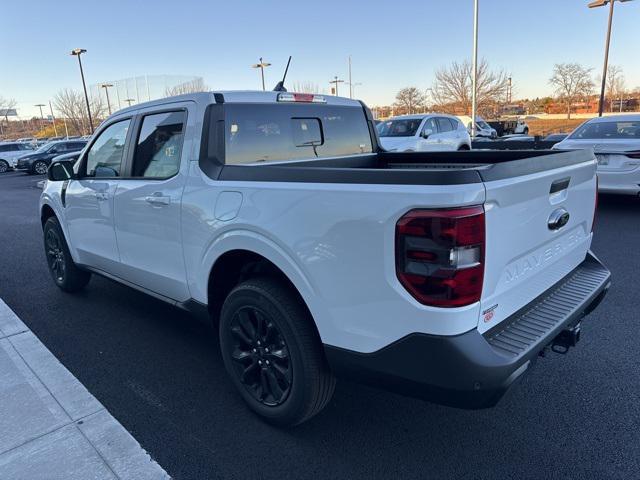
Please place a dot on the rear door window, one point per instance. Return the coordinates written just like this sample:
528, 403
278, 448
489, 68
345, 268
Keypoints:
275, 133
444, 125
159, 146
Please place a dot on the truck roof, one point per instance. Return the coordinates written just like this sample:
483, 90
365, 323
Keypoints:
234, 96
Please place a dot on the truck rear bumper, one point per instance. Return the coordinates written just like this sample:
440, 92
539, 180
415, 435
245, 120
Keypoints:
474, 370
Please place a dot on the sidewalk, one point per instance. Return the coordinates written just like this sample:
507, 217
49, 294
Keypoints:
51, 427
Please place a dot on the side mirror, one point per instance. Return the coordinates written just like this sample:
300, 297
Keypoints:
426, 132
61, 170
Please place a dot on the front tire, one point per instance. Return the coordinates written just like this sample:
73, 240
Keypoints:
4, 166
66, 275
39, 167
272, 352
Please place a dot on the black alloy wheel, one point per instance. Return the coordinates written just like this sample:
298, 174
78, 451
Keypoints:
260, 356
55, 256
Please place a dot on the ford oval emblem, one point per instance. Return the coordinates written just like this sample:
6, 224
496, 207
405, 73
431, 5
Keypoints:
558, 219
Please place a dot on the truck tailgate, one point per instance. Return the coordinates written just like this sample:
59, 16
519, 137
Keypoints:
538, 228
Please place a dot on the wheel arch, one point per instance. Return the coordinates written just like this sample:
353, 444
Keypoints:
239, 264
46, 212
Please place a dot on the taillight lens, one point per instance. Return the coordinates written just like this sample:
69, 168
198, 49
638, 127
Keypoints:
440, 255
633, 154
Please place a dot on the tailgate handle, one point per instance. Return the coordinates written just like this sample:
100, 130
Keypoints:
559, 185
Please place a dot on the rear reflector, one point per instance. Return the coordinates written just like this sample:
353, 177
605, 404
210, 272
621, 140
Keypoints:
440, 255
301, 97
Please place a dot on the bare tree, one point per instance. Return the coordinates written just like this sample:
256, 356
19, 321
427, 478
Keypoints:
7, 104
571, 82
72, 106
192, 86
410, 100
615, 85
453, 84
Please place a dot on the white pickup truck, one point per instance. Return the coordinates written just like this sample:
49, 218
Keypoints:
276, 216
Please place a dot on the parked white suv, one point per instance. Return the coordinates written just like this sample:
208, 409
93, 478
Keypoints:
278, 217
423, 133
10, 152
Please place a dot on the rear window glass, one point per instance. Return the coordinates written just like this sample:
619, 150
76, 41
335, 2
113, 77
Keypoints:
603, 130
274, 133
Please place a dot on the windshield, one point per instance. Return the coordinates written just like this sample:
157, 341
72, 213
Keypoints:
43, 148
606, 130
405, 127
483, 125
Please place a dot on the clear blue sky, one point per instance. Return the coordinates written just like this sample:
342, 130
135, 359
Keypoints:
393, 44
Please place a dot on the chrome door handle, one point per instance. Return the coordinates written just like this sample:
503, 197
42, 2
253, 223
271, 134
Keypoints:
156, 199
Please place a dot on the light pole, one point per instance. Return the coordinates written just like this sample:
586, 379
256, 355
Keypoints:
262, 65
40, 105
595, 4
336, 81
53, 118
474, 80
106, 87
129, 100
78, 52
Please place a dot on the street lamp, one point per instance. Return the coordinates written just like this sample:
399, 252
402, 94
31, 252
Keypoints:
596, 4
106, 87
77, 52
262, 65
40, 105
474, 79
336, 81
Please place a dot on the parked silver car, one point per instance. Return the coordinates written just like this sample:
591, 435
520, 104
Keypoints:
10, 152
616, 142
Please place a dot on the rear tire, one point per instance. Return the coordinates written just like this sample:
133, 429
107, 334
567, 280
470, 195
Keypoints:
4, 166
66, 275
273, 353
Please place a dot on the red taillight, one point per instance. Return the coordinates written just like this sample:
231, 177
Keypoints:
633, 154
440, 255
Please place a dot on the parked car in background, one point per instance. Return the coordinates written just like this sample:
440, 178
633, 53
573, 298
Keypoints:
38, 162
616, 143
26, 140
555, 137
483, 129
10, 152
422, 133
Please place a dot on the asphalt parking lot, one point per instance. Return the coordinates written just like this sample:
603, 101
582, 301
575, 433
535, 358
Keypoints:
158, 372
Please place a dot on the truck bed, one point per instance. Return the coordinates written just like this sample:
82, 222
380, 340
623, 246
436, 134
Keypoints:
409, 168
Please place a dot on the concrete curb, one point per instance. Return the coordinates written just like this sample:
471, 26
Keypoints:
51, 426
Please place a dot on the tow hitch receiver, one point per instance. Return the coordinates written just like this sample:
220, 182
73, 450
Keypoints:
567, 338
